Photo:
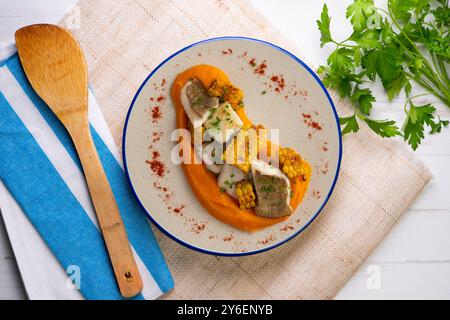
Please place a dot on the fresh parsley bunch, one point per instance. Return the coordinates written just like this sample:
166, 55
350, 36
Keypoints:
408, 42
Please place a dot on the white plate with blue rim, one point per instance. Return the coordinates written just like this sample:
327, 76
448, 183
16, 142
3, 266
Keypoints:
281, 91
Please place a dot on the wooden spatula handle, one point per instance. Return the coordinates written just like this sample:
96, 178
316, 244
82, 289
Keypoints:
110, 221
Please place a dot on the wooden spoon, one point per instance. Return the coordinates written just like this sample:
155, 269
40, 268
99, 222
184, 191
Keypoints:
56, 68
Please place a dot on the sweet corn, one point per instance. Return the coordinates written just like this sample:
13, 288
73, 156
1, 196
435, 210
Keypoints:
246, 147
291, 163
227, 92
245, 195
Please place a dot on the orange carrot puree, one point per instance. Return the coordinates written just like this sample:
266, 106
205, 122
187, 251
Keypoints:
204, 183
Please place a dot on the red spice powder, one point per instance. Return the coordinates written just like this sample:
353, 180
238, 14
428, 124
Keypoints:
268, 239
167, 197
243, 55
156, 136
279, 81
179, 208
228, 51
160, 98
306, 115
156, 114
287, 228
261, 69
316, 194
252, 62
307, 119
163, 82
325, 168
315, 125
228, 238
198, 227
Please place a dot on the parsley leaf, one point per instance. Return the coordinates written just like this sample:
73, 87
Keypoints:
369, 38
402, 8
437, 127
358, 12
384, 128
384, 62
341, 59
363, 98
350, 123
418, 117
342, 82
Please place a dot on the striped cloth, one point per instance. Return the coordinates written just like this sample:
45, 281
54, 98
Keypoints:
39, 167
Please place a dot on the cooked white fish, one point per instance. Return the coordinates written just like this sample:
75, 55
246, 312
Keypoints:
222, 123
228, 177
212, 156
273, 190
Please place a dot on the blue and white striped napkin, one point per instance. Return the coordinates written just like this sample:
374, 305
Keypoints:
41, 171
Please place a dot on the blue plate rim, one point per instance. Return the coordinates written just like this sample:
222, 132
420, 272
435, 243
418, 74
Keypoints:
311, 219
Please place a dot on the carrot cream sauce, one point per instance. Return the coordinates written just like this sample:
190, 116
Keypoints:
204, 184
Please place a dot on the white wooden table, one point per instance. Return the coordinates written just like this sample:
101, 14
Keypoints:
413, 262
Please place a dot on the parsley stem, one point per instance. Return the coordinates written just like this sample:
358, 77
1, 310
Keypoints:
342, 44
425, 85
433, 77
413, 97
438, 69
400, 28
436, 82
443, 70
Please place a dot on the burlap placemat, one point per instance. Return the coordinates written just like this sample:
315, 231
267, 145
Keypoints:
124, 40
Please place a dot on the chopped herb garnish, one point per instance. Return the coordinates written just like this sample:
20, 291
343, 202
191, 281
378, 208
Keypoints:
225, 91
197, 101
263, 92
216, 123
268, 188
229, 183
240, 105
